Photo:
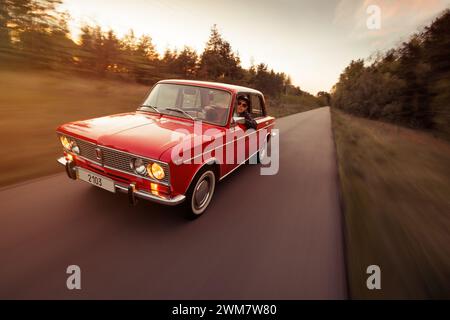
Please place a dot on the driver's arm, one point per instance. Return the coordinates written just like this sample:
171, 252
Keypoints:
249, 121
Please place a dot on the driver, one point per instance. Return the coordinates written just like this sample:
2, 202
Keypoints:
242, 111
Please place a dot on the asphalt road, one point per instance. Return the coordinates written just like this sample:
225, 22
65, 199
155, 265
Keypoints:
263, 237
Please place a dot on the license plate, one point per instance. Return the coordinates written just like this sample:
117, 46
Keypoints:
96, 179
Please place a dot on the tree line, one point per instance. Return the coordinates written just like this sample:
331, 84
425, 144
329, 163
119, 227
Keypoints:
33, 33
409, 84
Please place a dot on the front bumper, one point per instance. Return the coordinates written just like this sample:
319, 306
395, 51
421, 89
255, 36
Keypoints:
129, 189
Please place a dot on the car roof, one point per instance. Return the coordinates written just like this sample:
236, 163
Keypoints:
210, 84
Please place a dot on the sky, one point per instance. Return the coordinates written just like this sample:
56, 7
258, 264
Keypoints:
312, 41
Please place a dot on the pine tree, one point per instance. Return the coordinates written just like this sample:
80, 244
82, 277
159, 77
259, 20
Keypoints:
218, 62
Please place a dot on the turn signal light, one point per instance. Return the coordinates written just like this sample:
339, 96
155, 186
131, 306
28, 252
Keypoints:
69, 157
154, 188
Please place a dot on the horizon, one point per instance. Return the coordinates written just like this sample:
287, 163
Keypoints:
315, 59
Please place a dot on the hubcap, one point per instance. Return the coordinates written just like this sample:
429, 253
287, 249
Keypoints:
203, 192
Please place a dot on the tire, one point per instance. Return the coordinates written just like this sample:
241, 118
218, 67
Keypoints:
200, 193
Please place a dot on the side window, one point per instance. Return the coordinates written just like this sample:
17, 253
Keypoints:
256, 106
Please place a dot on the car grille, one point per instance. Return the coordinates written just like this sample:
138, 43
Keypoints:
117, 160
87, 150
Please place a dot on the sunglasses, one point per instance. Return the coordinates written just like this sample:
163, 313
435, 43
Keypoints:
242, 104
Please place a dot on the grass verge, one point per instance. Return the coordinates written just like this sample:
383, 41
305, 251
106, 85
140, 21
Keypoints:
32, 105
395, 185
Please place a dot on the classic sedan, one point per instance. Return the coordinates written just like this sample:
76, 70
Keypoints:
183, 139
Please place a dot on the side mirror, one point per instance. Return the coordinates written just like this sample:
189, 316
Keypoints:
239, 120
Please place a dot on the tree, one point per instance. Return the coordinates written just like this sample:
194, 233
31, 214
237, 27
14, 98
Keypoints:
218, 62
185, 63
5, 40
436, 52
145, 59
408, 84
168, 61
34, 34
415, 98
324, 98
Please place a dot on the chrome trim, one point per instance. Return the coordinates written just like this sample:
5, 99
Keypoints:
89, 160
133, 154
138, 176
62, 161
138, 193
151, 197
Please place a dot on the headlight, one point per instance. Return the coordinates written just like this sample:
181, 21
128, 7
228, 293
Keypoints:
65, 142
138, 166
75, 148
157, 171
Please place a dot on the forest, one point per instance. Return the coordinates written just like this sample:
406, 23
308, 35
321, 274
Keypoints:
34, 34
407, 85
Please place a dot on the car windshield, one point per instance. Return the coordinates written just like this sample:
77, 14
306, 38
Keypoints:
199, 103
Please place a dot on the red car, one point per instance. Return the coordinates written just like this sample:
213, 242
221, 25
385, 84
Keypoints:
174, 148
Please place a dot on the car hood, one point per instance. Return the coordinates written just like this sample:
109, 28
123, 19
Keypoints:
139, 133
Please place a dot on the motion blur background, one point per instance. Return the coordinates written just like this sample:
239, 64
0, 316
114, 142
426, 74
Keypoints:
389, 92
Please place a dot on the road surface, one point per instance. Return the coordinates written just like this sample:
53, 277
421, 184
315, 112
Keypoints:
263, 237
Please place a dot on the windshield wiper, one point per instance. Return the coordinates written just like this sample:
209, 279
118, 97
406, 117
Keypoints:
148, 106
181, 111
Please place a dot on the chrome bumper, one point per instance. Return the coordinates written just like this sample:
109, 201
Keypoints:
132, 192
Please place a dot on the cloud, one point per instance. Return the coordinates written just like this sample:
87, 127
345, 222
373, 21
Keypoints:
399, 19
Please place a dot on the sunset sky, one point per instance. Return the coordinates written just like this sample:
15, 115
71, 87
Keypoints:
312, 41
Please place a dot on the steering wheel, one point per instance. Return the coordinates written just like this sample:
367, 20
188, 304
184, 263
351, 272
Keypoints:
211, 113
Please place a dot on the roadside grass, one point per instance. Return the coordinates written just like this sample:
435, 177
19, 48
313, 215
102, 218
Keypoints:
33, 104
395, 185
289, 104
284, 109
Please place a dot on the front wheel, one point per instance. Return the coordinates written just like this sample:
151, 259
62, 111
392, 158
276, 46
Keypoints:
200, 194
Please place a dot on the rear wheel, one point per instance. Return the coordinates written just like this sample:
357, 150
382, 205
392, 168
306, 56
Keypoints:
200, 193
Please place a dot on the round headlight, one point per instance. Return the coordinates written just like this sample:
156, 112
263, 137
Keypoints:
65, 142
138, 166
75, 148
157, 171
